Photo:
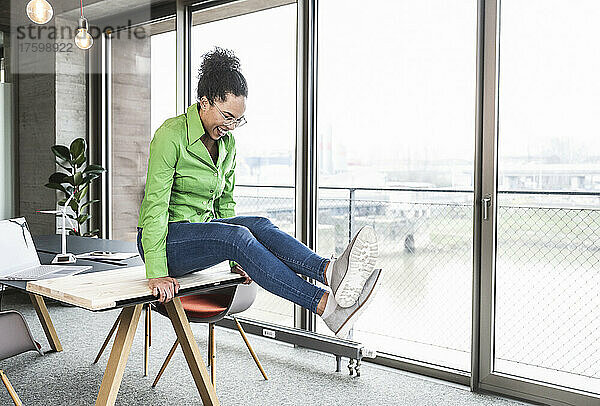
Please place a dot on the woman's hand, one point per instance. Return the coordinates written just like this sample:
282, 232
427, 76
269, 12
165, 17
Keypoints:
238, 269
165, 288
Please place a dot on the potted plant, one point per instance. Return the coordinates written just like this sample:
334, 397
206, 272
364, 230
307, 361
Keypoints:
75, 183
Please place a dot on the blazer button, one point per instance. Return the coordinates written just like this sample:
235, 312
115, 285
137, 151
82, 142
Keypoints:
211, 191
216, 174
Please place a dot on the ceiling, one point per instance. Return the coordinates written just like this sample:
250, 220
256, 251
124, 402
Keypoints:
101, 9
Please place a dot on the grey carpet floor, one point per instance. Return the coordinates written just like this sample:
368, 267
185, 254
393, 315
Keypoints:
296, 376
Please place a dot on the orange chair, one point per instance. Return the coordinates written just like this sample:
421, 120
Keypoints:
210, 308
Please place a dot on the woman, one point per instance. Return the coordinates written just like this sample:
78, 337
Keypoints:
187, 220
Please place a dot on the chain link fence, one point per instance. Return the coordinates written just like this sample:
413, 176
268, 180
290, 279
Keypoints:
547, 312
547, 291
276, 204
423, 306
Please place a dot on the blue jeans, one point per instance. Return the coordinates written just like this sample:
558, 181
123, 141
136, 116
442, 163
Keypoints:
271, 257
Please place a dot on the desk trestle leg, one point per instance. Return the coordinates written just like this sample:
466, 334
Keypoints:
46, 321
191, 352
113, 375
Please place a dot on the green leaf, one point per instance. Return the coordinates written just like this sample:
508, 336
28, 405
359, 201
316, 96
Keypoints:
74, 204
78, 178
80, 160
94, 168
86, 204
56, 186
69, 215
81, 193
62, 202
61, 152
77, 148
82, 218
70, 189
89, 177
57, 177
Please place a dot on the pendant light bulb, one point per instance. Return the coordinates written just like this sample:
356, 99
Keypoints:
39, 11
83, 39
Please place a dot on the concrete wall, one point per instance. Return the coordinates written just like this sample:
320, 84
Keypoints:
51, 110
7, 161
130, 132
71, 99
36, 134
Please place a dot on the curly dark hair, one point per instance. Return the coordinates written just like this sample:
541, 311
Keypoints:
220, 74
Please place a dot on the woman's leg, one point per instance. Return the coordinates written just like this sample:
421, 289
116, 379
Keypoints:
194, 246
297, 256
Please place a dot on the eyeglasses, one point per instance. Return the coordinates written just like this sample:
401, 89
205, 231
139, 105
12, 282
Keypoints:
231, 122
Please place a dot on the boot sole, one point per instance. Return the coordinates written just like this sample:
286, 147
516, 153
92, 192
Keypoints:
361, 263
345, 328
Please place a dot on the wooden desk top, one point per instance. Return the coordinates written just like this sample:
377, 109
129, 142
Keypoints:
116, 288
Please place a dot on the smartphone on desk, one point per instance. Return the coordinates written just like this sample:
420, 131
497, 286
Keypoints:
101, 253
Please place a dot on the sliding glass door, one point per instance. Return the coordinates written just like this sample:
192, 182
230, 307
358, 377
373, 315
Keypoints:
542, 326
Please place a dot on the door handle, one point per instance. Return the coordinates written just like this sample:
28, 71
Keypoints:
486, 202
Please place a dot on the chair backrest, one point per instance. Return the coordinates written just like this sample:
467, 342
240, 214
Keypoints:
243, 298
16, 337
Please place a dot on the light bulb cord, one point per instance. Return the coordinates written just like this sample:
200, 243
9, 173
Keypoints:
81, 7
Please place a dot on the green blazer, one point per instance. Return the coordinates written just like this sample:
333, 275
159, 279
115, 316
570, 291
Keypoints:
183, 184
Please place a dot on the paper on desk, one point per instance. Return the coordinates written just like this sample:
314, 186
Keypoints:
113, 255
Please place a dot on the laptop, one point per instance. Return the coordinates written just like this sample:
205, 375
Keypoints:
19, 260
